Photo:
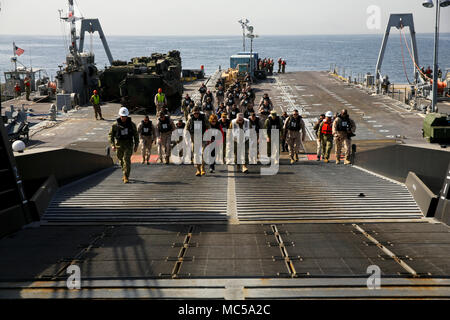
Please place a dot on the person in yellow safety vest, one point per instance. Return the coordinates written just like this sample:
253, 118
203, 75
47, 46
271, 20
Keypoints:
160, 101
95, 100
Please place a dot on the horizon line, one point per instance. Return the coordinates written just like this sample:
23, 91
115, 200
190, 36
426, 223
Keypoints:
222, 35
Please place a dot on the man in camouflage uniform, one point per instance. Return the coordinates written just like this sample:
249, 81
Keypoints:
164, 129
197, 121
124, 139
343, 130
147, 134
294, 138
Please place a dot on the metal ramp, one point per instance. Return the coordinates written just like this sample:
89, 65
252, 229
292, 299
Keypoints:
169, 194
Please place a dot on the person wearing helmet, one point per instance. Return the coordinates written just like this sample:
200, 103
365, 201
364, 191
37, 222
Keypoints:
343, 130
95, 100
160, 101
197, 121
294, 138
326, 136
147, 134
124, 139
316, 129
164, 129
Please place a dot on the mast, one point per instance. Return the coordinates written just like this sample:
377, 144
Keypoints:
73, 48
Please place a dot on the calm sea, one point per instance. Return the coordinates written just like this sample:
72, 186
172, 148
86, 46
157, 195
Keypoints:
357, 53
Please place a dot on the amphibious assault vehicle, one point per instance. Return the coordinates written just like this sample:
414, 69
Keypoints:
135, 83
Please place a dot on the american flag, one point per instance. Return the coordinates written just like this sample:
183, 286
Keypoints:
18, 51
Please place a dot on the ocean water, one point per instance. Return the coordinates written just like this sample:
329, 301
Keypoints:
355, 53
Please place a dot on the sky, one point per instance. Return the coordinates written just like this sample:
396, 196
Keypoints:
217, 17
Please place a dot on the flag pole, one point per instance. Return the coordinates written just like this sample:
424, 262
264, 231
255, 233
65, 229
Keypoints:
15, 59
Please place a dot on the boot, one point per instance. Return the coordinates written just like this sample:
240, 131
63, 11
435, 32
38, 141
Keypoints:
338, 161
143, 160
296, 157
244, 169
125, 179
198, 173
326, 160
318, 158
347, 162
292, 160
203, 172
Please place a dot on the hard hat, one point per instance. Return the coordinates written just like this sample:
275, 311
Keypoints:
95, 91
329, 114
123, 112
273, 112
18, 146
159, 90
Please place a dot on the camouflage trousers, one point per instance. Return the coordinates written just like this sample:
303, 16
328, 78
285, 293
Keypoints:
327, 145
97, 111
146, 149
342, 141
294, 142
124, 154
164, 146
319, 148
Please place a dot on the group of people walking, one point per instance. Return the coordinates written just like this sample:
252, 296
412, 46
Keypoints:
227, 112
338, 129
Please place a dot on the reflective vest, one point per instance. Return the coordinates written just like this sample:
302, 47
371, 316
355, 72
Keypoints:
327, 128
294, 124
164, 125
95, 99
160, 97
124, 130
146, 129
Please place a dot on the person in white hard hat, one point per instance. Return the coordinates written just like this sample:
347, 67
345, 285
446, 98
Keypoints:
124, 139
326, 136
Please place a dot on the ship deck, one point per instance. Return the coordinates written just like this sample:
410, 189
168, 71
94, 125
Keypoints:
304, 233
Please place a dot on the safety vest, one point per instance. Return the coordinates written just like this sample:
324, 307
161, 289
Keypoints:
343, 124
96, 99
187, 102
233, 113
195, 124
160, 97
208, 107
327, 128
146, 129
274, 123
124, 130
164, 125
294, 124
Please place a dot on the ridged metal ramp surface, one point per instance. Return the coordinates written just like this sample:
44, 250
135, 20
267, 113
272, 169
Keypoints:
155, 194
166, 194
323, 191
